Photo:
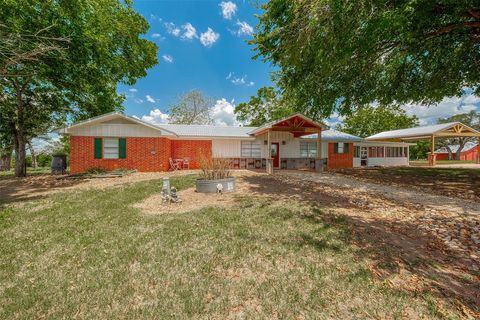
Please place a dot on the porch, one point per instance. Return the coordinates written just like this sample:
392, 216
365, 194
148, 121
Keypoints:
291, 128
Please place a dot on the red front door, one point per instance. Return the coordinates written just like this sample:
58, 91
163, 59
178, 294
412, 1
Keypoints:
276, 154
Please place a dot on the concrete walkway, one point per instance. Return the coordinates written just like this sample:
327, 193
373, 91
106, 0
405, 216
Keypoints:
395, 193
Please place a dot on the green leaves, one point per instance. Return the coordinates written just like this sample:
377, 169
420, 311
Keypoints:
338, 55
369, 120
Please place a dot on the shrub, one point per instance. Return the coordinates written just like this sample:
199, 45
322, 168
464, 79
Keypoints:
96, 170
214, 168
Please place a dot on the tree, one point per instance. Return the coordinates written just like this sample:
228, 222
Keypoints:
339, 55
471, 119
266, 106
420, 150
64, 60
192, 108
367, 121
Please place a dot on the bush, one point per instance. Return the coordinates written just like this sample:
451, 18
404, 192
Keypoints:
214, 168
96, 170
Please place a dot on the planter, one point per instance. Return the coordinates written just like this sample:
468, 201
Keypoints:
211, 186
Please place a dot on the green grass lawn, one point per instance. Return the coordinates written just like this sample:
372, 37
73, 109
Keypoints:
440, 162
30, 171
91, 254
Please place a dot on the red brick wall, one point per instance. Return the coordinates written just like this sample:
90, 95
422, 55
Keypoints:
143, 154
467, 155
340, 160
192, 149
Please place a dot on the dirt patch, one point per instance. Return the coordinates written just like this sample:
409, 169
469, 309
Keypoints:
190, 200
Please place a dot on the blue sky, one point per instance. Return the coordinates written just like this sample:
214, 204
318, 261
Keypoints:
202, 46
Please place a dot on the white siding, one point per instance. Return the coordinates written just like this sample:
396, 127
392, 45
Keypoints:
226, 148
115, 130
386, 162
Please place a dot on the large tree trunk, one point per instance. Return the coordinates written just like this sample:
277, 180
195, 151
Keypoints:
19, 129
5, 161
461, 144
32, 153
19, 155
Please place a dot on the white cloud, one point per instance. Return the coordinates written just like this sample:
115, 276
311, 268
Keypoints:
446, 108
149, 98
244, 29
156, 117
156, 35
167, 58
132, 90
239, 81
228, 9
172, 29
189, 31
155, 17
223, 113
139, 101
209, 37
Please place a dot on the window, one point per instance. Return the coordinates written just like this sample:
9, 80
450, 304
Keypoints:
251, 150
110, 148
356, 152
375, 152
341, 147
396, 152
308, 149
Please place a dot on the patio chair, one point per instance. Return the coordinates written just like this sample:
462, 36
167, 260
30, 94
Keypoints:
174, 166
186, 163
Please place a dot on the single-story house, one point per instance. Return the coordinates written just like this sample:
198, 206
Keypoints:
115, 140
469, 151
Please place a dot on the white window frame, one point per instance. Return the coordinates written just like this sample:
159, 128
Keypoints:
308, 149
250, 149
111, 148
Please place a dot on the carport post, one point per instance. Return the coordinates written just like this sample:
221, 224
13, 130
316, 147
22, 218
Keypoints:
432, 159
478, 151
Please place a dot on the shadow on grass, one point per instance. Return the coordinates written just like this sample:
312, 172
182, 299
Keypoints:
391, 245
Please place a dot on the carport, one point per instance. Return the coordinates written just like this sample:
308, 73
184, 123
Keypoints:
433, 132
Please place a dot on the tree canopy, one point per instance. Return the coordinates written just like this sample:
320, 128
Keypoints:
369, 120
63, 60
262, 108
339, 55
192, 108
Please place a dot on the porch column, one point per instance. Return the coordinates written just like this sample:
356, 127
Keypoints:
431, 159
269, 160
319, 160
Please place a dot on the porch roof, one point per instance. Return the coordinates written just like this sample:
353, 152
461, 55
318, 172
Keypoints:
297, 124
451, 129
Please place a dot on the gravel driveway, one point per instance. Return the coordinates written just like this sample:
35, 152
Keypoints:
396, 193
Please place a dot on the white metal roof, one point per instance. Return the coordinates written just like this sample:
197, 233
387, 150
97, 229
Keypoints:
423, 131
334, 135
186, 130
468, 146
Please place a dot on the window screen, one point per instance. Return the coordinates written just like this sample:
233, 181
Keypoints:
110, 148
251, 149
308, 149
